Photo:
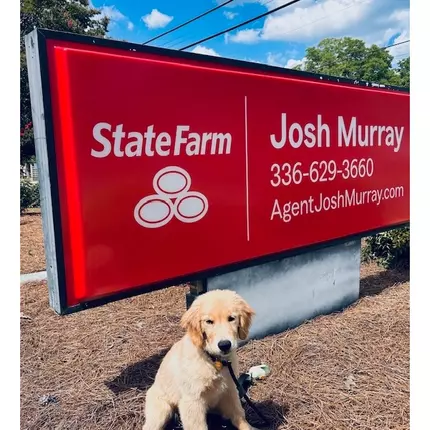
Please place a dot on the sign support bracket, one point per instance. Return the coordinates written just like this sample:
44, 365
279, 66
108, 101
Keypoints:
197, 288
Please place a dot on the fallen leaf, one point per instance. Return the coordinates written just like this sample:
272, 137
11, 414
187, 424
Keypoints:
349, 382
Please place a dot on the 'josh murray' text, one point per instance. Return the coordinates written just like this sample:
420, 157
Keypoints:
349, 134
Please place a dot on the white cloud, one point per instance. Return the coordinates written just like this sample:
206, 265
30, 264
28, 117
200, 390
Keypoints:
400, 15
291, 63
387, 27
397, 29
308, 21
251, 60
277, 59
156, 19
311, 21
112, 13
230, 15
246, 36
280, 60
200, 49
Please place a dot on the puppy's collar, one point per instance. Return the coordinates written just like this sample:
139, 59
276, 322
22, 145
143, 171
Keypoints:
218, 363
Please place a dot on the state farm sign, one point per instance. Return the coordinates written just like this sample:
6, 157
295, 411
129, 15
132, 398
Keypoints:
169, 166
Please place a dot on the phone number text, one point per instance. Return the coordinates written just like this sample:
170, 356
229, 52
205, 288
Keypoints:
320, 171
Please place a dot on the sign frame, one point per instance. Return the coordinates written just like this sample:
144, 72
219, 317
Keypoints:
38, 72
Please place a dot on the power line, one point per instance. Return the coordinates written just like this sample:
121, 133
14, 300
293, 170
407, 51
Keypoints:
183, 38
396, 44
401, 55
189, 21
179, 40
241, 24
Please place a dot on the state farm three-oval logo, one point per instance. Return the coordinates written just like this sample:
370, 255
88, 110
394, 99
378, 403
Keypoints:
172, 198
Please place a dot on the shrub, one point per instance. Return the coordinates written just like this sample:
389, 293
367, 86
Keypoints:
389, 249
29, 195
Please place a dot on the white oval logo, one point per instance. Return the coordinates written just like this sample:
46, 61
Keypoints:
191, 207
172, 181
153, 211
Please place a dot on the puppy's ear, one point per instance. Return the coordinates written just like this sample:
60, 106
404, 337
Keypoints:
190, 321
246, 314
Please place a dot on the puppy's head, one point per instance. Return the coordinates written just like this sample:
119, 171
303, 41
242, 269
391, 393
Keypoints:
217, 320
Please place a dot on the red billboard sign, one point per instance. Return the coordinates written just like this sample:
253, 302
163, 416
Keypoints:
166, 166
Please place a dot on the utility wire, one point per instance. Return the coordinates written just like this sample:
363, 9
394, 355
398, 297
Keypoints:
396, 44
186, 38
175, 41
401, 55
189, 21
241, 24
247, 22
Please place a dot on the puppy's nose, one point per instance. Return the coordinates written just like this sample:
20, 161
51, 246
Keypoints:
224, 345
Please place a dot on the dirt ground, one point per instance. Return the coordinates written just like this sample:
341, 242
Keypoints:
32, 251
90, 370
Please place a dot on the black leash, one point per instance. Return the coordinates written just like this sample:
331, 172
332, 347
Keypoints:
243, 394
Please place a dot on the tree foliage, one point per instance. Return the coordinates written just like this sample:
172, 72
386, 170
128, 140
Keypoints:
351, 58
73, 16
29, 194
390, 249
403, 70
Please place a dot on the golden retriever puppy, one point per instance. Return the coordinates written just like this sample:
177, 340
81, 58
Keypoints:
191, 377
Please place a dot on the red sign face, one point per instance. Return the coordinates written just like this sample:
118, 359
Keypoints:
172, 166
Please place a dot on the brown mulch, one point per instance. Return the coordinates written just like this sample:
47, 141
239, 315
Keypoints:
90, 370
32, 250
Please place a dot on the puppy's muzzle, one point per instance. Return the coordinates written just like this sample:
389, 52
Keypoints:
224, 346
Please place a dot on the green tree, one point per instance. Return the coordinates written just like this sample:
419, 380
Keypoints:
350, 58
73, 16
403, 70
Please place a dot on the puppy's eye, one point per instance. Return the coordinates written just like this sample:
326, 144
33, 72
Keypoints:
230, 319
209, 322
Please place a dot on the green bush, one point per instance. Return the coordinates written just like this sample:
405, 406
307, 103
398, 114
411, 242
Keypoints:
29, 195
389, 249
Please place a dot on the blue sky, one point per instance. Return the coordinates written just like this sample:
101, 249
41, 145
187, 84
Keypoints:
279, 39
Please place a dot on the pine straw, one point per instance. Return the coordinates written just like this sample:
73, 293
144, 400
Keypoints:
343, 371
32, 250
